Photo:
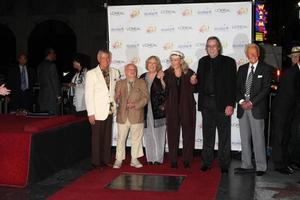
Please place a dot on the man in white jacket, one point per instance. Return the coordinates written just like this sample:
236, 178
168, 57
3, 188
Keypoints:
100, 103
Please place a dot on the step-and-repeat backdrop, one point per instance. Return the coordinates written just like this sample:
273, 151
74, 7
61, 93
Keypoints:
139, 31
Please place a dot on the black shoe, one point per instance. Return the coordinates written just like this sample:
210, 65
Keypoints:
186, 164
174, 164
150, 163
204, 168
260, 173
240, 170
156, 163
285, 170
224, 170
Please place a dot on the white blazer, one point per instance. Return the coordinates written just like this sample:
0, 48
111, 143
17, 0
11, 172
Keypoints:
97, 95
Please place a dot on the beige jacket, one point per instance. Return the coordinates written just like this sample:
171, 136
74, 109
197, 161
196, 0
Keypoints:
138, 94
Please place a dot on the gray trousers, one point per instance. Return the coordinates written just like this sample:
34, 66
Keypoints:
251, 128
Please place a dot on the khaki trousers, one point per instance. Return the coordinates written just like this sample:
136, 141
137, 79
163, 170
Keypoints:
136, 133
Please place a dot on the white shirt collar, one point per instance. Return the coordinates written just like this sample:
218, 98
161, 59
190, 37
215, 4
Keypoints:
298, 65
254, 65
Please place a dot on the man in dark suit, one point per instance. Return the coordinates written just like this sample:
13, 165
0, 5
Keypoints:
253, 87
50, 91
20, 80
216, 77
285, 110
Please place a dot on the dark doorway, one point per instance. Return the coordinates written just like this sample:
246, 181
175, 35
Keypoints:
7, 50
54, 34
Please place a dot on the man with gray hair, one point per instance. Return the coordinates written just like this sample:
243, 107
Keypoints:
99, 98
253, 87
132, 96
216, 77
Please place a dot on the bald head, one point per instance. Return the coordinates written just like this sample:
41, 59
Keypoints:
131, 71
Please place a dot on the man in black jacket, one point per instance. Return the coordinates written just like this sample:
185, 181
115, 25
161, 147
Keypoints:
253, 87
50, 90
216, 77
20, 80
285, 109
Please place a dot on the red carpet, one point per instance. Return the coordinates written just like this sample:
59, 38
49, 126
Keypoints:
197, 185
15, 143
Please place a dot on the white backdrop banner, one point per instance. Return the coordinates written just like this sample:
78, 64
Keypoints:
139, 31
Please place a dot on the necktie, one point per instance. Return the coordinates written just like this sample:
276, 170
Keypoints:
249, 83
23, 79
130, 85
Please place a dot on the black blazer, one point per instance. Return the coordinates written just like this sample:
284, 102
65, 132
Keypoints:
158, 97
14, 79
225, 80
260, 89
288, 93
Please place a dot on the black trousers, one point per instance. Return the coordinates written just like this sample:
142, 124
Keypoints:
294, 143
281, 133
21, 100
213, 119
101, 141
174, 123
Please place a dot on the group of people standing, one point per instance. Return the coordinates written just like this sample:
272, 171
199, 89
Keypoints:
160, 102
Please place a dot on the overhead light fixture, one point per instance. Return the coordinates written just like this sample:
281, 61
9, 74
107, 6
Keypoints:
299, 4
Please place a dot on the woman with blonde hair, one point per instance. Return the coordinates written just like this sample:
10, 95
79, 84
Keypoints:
180, 108
154, 112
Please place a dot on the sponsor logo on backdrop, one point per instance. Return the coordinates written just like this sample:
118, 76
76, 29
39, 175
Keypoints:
117, 29
204, 29
133, 29
239, 27
241, 61
133, 46
151, 29
116, 45
135, 60
186, 45
223, 28
235, 125
152, 13
149, 45
116, 13
240, 44
200, 45
187, 12
242, 11
189, 60
198, 140
168, 46
199, 126
168, 29
135, 13
224, 45
118, 62
185, 28
165, 62
204, 12
222, 10
168, 12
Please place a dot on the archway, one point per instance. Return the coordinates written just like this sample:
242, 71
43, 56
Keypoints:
54, 34
7, 50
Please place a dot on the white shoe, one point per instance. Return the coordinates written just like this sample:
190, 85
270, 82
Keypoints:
117, 164
135, 163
